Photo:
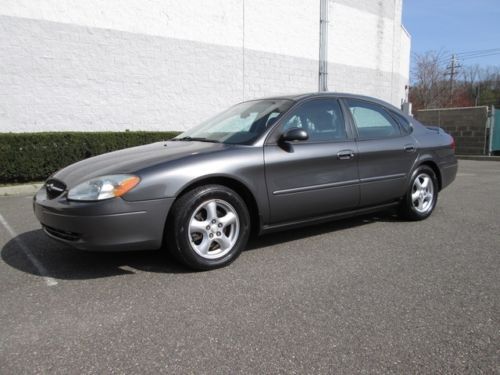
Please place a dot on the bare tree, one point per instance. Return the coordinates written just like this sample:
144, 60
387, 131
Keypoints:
433, 85
489, 86
430, 88
471, 74
471, 81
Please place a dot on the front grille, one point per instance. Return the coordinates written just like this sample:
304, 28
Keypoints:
54, 188
65, 235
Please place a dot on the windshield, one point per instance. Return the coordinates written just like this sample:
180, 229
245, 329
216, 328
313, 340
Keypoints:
240, 124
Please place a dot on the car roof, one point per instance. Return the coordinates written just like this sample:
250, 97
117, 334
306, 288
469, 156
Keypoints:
310, 95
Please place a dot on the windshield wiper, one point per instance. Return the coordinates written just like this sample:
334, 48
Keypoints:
199, 139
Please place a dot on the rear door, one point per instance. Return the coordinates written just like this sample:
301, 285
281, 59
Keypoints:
387, 152
314, 177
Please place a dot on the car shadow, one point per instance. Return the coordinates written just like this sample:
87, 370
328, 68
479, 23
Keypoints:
312, 230
63, 262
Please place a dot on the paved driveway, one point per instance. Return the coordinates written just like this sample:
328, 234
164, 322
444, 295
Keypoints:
371, 294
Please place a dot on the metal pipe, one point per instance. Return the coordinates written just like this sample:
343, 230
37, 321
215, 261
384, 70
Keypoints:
323, 46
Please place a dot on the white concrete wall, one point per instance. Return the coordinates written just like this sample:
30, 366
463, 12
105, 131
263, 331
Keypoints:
166, 65
367, 52
404, 60
215, 22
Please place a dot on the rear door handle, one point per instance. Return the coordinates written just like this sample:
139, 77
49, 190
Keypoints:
410, 148
345, 154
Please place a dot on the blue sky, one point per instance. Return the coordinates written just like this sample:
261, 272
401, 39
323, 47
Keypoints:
454, 26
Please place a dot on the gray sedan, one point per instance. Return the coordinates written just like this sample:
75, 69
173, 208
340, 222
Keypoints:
260, 166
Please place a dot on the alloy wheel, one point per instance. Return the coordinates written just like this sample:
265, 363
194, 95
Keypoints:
422, 194
214, 228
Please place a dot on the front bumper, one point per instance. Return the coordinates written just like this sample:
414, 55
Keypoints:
109, 225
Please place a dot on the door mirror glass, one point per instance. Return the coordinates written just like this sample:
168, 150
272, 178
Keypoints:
295, 134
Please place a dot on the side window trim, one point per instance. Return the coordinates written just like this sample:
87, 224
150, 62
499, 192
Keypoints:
397, 117
350, 124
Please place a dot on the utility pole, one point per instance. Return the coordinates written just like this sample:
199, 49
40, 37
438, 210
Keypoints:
452, 68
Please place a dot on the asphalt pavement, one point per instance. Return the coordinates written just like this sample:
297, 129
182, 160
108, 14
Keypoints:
372, 294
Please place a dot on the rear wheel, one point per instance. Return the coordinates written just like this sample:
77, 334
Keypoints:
421, 198
209, 227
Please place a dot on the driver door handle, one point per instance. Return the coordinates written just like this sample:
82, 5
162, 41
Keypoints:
410, 148
345, 154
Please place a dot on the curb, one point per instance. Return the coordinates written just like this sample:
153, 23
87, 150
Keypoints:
28, 189
478, 157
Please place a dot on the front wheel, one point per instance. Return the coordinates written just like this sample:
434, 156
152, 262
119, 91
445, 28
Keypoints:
209, 227
421, 198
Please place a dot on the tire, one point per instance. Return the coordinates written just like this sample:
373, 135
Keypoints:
421, 197
208, 228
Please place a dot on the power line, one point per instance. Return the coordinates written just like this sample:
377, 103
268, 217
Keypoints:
475, 51
478, 51
470, 54
479, 56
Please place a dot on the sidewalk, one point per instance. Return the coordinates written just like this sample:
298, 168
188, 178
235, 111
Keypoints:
26, 189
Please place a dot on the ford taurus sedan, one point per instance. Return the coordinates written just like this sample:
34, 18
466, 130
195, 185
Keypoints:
260, 166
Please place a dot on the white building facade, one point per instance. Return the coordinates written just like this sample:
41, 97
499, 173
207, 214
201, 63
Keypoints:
94, 65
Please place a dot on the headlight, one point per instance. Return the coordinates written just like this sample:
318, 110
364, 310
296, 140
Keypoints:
104, 187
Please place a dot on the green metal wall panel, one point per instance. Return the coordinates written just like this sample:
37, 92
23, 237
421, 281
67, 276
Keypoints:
495, 141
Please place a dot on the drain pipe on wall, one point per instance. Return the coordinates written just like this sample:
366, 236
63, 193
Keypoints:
323, 46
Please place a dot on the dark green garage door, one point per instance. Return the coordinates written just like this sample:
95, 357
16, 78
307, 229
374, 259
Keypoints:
495, 132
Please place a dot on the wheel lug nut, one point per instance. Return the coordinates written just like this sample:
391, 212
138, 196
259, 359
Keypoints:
220, 225
211, 235
213, 221
208, 227
218, 233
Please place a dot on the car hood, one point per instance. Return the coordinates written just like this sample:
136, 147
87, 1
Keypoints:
132, 160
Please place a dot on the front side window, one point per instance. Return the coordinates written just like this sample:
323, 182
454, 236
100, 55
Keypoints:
321, 118
372, 121
243, 123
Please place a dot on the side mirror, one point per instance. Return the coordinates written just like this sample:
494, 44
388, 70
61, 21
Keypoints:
295, 134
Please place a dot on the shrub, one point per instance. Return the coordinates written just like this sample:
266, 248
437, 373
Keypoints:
35, 156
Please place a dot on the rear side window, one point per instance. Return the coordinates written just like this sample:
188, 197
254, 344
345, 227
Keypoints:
372, 121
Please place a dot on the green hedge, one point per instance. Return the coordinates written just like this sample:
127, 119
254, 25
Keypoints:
35, 156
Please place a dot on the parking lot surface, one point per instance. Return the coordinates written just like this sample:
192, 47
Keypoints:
370, 294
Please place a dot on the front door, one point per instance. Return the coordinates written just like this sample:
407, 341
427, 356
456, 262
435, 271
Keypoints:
315, 177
